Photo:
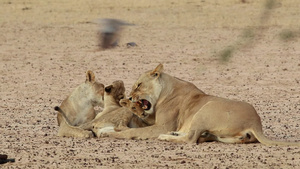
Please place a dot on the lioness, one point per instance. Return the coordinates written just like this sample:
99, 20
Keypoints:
114, 117
78, 107
192, 115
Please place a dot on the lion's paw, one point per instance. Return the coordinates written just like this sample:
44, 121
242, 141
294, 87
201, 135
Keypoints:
174, 133
163, 137
101, 135
104, 132
86, 134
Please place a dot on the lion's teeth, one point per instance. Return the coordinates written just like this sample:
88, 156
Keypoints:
145, 107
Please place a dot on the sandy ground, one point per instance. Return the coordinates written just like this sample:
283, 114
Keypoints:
47, 46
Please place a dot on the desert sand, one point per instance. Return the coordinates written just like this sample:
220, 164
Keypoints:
237, 49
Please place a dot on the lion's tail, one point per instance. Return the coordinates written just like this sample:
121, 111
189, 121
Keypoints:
56, 108
258, 133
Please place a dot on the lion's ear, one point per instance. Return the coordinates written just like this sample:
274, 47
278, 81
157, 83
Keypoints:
157, 71
108, 89
122, 96
124, 102
90, 76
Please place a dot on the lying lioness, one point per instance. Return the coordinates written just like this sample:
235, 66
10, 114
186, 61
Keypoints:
190, 115
114, 117
78, 107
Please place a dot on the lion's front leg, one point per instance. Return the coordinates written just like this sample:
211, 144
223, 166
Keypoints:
193, 136
140, 133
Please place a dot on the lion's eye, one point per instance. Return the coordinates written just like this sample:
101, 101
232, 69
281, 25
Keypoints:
133, 108
139, 85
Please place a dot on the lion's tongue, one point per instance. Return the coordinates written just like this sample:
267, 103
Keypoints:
145, 107
145, 104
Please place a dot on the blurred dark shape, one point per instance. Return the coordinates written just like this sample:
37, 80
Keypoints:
4, 159
248, 36
227, 53
286, 35
270, 4
131, 44
110, 31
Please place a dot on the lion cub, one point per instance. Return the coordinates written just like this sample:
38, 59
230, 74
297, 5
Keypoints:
78, 107
137, 109
114, 117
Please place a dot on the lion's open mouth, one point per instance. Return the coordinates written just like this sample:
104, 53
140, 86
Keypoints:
146, 105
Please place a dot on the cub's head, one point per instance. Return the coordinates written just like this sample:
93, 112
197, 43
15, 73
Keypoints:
92, 90
135, 107
115, 92
147, 89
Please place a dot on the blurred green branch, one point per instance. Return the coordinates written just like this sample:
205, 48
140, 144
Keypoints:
248, 34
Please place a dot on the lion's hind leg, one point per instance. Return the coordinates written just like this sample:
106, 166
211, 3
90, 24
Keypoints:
206, 137
193, 136
230, 140
242, 137
66, 130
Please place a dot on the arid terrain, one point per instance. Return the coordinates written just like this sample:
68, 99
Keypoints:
239, 49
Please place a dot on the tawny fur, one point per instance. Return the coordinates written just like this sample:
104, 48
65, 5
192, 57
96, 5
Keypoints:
113, 117
184, 113
78, 107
